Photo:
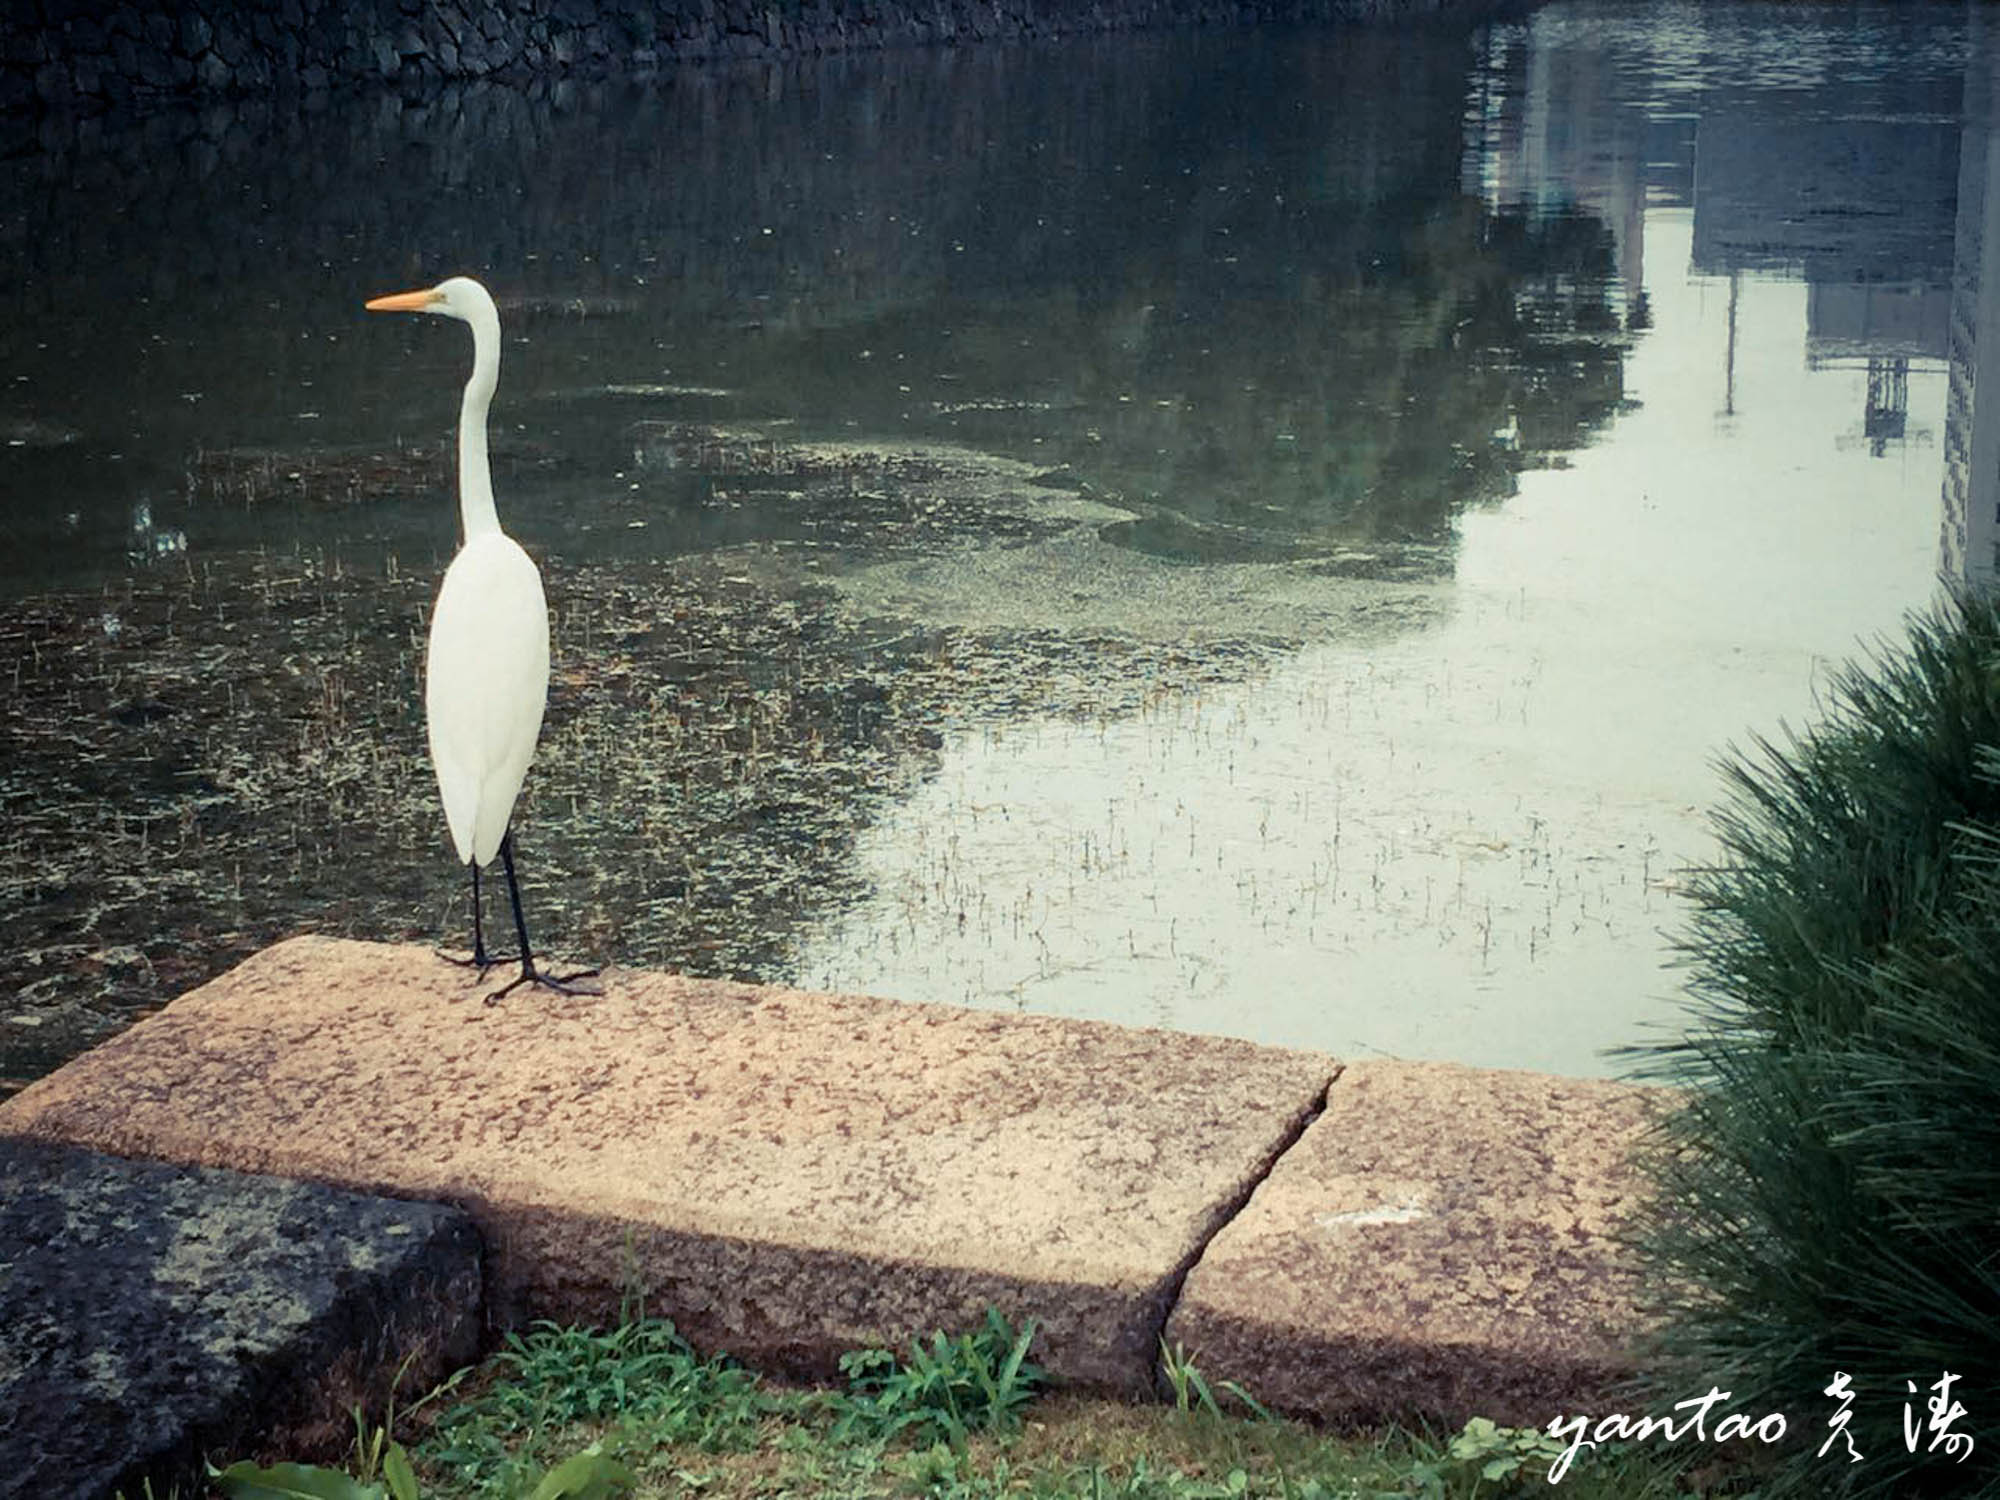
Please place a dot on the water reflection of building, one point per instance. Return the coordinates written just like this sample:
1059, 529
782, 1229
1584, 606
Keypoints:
1858, 208
1806, 158
1969, 547
1886, 329
1554, 137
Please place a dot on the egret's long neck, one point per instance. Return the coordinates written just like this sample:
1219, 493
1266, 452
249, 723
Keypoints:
475, 476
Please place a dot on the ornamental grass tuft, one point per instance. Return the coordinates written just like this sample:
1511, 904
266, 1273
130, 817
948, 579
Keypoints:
1829, 1194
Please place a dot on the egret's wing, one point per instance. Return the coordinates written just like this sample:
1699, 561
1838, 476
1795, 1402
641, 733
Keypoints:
486, 681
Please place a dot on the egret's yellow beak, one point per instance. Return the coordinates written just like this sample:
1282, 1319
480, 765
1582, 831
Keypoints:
406, 301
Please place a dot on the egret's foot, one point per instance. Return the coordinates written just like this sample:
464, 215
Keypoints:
562, 984
479, 959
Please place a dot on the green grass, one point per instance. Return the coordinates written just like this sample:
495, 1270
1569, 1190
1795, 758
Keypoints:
978, 1382
553, 1390
571, 1414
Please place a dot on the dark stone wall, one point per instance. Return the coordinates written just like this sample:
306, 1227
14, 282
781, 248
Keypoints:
82, 53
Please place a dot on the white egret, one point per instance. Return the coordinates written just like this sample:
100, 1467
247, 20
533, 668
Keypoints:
486, 669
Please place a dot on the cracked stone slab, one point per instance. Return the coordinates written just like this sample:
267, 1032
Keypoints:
1441, 1243
787, 1175
151, 1315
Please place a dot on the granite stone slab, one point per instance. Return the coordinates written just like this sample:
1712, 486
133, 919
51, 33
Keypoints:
1442, 1242
787, 1175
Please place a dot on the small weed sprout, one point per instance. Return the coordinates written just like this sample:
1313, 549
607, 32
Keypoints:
1189, 1385
643, 1370
1510, 1459
1192, 1392
943, 1392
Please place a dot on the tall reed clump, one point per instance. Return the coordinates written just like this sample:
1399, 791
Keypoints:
1829, 1194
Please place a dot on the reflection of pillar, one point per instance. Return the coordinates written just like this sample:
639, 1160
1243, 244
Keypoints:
1729, 352
1888, 402
1970, 545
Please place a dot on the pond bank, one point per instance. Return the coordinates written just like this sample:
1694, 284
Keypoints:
790, 1175
54, 53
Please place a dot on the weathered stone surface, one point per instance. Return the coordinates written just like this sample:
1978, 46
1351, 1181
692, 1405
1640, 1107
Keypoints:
789, 1174
1439, 1243
150, 1313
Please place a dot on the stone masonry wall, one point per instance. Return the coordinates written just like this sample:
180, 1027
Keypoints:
83, 53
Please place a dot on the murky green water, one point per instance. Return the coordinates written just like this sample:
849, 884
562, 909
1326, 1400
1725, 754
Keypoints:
1252, 532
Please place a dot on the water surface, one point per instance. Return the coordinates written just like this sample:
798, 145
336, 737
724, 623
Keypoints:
1255, 532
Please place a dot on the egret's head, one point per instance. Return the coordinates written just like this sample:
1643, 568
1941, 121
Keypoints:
461, 297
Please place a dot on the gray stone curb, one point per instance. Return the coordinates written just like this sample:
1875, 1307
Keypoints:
150, 1314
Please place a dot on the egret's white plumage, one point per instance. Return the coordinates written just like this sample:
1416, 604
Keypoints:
486, 669
486, 679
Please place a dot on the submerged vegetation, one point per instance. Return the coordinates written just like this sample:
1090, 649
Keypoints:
217, 753
1823, 1234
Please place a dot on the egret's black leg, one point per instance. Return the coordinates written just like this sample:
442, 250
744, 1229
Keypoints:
481, 959
529, 973
514, 895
